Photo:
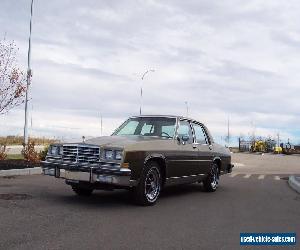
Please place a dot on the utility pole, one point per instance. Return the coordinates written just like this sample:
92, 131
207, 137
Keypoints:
29, 75
101, 123
228, 138
187, 108
253, 131
143, 76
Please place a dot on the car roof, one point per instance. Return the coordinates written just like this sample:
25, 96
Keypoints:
167, 116
179, 117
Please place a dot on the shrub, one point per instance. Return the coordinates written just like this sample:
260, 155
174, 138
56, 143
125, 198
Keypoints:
3, 153
43, 153
30, 154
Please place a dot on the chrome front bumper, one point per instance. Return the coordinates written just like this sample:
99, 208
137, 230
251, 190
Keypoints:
92, 175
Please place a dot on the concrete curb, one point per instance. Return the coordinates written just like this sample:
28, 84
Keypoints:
24, 171
294, 183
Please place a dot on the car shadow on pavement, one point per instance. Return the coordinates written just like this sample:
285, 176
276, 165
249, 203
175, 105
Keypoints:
102, 199
180, 190
119, 198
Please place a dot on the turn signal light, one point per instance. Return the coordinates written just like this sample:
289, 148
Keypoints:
125, 165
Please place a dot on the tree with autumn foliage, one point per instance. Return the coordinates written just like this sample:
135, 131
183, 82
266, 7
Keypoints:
12, 79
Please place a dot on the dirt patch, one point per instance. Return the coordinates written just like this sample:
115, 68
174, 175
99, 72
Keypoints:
285, 178
15, 196
9, 177
17, 164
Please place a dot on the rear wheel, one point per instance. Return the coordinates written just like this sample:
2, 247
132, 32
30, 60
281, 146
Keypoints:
149, 187
211, 182
82, 191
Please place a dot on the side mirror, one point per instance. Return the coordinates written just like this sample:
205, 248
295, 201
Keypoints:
185, 138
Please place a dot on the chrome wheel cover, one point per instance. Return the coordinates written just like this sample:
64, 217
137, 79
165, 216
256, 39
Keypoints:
152, 184
214, 177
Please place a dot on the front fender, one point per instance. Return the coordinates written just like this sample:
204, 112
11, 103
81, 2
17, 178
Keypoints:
152, 156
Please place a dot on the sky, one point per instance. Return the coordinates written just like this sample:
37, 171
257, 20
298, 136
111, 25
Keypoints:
235, 59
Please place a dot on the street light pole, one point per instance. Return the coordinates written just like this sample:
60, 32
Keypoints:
143, 76
29, 74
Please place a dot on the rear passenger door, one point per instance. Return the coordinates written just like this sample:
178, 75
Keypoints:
201, 142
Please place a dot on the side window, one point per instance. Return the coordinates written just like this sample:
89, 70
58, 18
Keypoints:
167, 131
185, 130
147, 129
199, 134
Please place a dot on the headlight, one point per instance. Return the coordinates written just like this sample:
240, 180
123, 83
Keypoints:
54, 150
119, 154
109, 154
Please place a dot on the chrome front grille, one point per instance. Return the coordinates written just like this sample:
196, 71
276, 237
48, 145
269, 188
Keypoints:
81, 153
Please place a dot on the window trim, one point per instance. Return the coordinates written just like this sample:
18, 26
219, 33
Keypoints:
207, 140
191, 127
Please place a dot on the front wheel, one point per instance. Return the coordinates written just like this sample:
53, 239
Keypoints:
211, 182
149, 187
82, 191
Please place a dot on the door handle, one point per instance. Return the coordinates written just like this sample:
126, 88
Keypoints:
210, 147
195, 145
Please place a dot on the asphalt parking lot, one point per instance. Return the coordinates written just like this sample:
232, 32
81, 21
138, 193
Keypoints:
40, 212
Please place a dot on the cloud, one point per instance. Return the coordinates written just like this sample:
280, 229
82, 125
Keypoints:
230, 58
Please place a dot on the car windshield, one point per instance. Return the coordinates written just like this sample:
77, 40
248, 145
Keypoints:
148, 126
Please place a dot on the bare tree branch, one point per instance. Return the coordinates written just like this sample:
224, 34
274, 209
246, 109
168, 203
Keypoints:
12, 79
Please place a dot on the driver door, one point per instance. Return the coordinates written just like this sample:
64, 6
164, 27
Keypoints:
184, 160
205, 154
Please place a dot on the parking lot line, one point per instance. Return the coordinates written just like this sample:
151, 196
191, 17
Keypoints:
261, 177
233, 174
238, 164
247, 176
277, 178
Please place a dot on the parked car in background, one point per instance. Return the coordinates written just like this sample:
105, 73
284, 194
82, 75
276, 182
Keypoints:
144, 155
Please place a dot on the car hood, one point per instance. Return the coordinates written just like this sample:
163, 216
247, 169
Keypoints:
120, 141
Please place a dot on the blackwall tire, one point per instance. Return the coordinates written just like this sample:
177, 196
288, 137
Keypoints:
211, 182
149, 187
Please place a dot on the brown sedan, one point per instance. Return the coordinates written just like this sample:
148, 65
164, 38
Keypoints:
145, 154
